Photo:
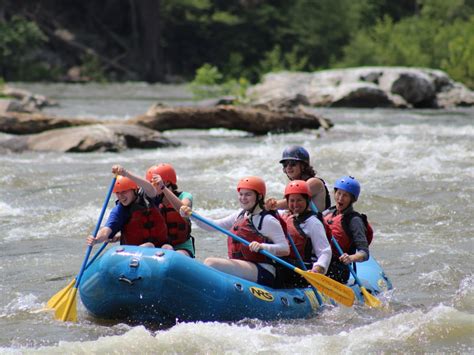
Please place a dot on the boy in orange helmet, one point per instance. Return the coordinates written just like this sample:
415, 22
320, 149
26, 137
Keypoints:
135, 215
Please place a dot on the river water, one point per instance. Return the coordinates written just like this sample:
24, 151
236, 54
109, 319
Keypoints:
416, 168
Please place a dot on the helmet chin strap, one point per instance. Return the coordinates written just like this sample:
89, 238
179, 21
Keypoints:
257, 204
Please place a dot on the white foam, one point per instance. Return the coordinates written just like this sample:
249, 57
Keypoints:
8, 211
60, 223
441, 329
21, 303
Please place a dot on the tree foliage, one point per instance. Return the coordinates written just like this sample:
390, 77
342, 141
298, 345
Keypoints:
160, 40
441, 36
209, 82
18, 38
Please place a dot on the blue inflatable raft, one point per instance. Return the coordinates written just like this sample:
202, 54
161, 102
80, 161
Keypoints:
155, 285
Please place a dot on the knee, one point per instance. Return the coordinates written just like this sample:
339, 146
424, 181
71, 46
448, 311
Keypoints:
148, 245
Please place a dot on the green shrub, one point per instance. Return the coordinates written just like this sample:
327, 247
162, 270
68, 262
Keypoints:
458, 61
275, 60
92, 68
440, 38
19, 39
209, 82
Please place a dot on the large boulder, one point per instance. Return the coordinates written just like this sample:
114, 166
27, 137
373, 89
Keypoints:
457, 95
365, 87
91, 138
360, 95
416, 87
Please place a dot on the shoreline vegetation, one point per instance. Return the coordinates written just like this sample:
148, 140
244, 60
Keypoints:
232, 44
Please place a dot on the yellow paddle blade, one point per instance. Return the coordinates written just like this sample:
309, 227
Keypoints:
338, 292
369, 299
67, 309
59, 296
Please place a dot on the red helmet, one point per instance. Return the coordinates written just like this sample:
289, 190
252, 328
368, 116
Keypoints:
123, 184
166, 171
297, 187
253, 183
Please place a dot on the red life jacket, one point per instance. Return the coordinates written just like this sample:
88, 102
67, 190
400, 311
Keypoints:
179, 229
327, 228
146, 224
244, 228
301, 240
339, 228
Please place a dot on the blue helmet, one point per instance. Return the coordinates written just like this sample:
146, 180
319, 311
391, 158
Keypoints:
349, 184
295, 152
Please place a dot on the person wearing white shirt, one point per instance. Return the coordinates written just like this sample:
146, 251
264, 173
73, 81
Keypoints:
306, 230
256, 225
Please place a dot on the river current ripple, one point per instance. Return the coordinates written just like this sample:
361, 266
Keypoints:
416, 168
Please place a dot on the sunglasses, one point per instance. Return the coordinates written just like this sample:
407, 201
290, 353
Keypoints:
290, 163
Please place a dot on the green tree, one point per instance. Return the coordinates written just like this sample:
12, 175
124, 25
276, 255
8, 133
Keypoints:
19, 39
459, 58
319, 30
276, 60
439, 37
209, 82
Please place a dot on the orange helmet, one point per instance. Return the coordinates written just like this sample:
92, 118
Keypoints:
253, 183
123, 184
297, 187
166, 171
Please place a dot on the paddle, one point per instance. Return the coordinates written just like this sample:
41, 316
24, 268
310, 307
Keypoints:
333, 289
370, 300
66, 310
303, 266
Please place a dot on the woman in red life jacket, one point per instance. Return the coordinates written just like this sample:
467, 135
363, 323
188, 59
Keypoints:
304, 227
163, 177
135, 215
347, 227
308, 234
252, 223
296, 166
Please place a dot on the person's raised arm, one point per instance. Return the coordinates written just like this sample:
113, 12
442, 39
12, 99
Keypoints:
159, 185
147, 187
